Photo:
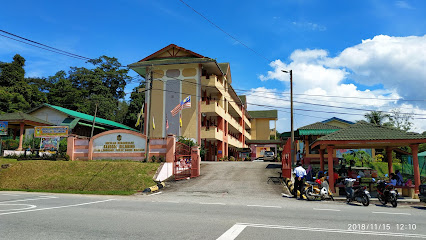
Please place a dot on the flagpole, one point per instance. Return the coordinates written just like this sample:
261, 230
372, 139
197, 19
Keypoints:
148, 113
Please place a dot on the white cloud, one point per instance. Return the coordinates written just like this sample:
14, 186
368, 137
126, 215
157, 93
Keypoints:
310, 26
403, 4
396, 63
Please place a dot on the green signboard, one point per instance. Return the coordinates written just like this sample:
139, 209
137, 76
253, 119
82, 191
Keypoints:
3, 128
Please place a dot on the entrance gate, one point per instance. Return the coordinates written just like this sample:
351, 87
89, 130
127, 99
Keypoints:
183, 162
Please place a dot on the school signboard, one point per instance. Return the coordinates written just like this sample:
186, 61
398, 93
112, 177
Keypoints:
3, 128
51, 132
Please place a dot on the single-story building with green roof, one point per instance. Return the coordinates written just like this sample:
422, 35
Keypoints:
18, 122
78, 123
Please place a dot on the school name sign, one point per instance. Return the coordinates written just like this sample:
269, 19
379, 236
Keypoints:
119, 143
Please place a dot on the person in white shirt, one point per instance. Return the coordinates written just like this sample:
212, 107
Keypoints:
299, 177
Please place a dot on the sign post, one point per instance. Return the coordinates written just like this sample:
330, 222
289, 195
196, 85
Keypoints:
3, 132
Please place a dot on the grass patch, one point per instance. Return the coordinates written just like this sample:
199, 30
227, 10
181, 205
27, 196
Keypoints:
91, 177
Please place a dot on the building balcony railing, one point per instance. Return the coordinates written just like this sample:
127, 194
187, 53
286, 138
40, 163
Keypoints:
234, 142
247, 122
213, 81
211, 133
247, 135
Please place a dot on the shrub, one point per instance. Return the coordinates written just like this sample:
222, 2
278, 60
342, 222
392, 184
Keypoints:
231, 158
11, 144
161, 159
63, 145
379, 158
153, 159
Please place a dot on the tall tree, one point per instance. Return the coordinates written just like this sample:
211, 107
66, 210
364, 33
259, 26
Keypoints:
377, 117
137, 99
402, 121
18, 93
81, 89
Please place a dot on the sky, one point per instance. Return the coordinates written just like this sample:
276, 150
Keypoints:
347, 57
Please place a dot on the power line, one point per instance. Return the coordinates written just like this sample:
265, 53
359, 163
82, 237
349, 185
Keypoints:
229, 35
315, 104
44, 46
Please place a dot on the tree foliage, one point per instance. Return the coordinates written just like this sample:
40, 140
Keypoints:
395, 119
18, 93
82, 89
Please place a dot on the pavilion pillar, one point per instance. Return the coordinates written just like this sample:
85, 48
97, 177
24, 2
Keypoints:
321, 151
389, 157
330, 168
415, 151
21, 136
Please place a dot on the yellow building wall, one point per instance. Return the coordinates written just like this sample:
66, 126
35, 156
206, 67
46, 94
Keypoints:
260, 151
157, 109
253, 129
189, 115
262, 129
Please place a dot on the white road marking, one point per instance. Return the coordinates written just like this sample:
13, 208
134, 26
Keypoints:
327, 209
155, 194
171, 201
204, 203
235, 230
30, 199
13, 195
263, 206
30, 207
66, 206
393, 213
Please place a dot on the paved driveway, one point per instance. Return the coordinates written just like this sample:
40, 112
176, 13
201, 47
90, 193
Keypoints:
230, 179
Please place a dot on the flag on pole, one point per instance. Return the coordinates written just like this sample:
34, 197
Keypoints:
140, 114
186, 103
153, 123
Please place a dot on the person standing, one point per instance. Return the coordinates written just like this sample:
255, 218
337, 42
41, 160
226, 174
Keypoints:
300, 174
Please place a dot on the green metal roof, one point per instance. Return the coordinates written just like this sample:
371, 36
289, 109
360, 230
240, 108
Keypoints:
367, 131
243, 99
422, 154
20, 117
224, 67
272, 114
317, 128
89, 118
308, 132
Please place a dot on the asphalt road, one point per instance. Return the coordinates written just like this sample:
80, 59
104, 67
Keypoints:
197, 213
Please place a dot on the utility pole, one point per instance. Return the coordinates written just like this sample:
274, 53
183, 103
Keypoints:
148, 111
94, 118
291, 112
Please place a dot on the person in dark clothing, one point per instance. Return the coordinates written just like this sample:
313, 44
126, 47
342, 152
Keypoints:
300, 174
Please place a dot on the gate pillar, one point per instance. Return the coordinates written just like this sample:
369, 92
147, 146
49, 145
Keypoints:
195, 159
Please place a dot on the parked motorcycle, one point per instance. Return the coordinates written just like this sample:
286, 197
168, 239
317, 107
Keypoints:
315, 191
387, 193
358, 193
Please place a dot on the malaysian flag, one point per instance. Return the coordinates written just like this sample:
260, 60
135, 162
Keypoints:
186, 103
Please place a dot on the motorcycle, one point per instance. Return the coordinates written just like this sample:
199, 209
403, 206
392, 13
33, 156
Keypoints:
358, 193
387, 193
315, 191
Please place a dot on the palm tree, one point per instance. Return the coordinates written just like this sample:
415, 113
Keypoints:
378, 118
